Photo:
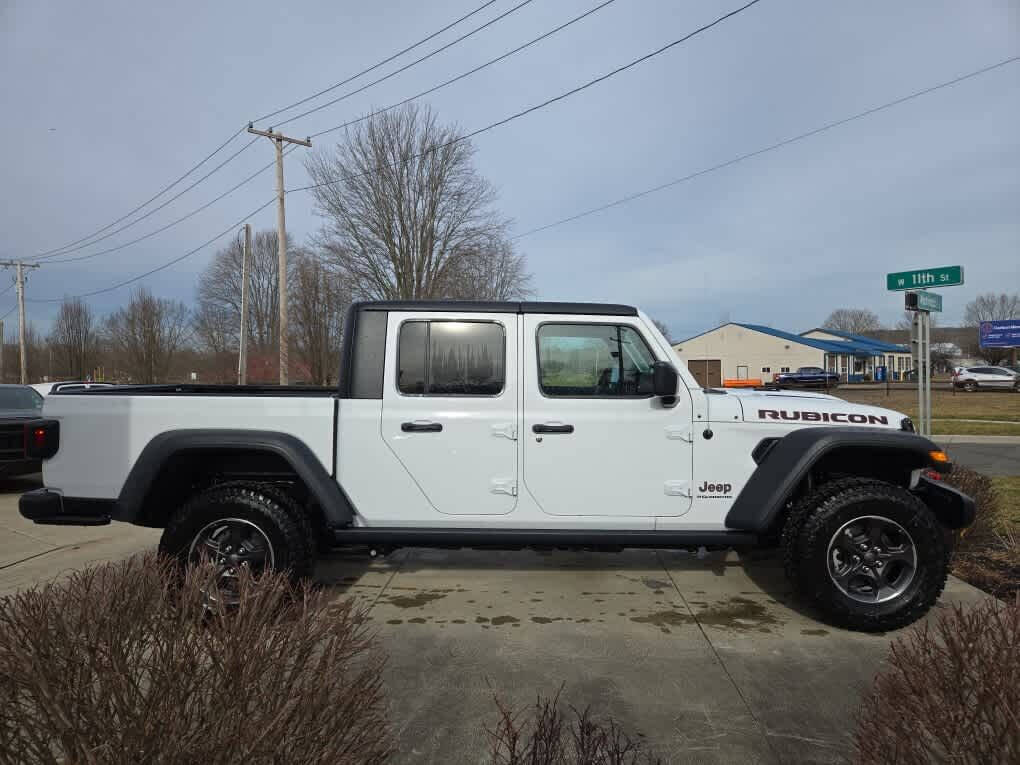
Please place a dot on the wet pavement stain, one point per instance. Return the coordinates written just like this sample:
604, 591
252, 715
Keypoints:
739, 615
481, 620
814, 632
498, 620
394, 621
416, 620
541, 619
457, 621
655, 584
415, 601
664, 620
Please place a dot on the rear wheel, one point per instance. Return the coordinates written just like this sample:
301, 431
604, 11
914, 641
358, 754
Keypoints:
970, 386
241, 526
869, 554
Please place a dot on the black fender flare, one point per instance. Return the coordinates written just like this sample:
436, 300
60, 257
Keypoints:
788, 461
336, 506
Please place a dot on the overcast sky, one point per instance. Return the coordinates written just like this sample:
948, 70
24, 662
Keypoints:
103, 103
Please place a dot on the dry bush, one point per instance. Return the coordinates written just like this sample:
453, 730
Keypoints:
987, 555
949, 693
544, 735
126, 663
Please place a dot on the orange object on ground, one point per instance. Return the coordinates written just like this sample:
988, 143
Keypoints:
733, 382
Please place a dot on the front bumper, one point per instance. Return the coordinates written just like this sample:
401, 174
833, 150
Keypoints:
953, 508
48, 507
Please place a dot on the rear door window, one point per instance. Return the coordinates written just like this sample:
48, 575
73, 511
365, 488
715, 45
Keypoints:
451, 358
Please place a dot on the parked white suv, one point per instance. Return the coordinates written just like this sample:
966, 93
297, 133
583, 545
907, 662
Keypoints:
997, 378
511, 425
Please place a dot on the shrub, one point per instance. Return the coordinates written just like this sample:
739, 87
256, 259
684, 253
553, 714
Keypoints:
949, 693
126, 663
988, 553
544, 735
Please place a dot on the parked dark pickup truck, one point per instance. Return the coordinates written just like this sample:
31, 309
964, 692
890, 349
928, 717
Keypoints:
18, 405
807, 377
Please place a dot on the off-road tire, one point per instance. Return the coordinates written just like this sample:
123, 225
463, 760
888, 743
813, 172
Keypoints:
277, 515
820, 516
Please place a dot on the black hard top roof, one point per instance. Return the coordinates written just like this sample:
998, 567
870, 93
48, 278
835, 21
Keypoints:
473, 306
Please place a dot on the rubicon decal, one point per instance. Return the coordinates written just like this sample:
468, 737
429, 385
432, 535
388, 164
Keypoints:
855, 418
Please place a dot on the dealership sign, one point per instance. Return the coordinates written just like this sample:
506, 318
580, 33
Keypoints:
1000, 334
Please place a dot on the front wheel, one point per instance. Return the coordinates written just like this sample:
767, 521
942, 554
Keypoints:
970, 386
871, 556
239, 526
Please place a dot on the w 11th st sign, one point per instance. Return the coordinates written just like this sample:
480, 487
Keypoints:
1000, 334
943, 276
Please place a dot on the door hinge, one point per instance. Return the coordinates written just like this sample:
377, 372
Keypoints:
504, 486
680, 433
677, 489
506, 430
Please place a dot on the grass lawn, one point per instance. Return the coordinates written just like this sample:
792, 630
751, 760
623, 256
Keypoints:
1009, 492
963, 428
947, 406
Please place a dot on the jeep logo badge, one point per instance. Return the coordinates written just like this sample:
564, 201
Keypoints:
719, 489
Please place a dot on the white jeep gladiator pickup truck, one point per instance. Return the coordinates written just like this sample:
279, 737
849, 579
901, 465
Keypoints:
511, 425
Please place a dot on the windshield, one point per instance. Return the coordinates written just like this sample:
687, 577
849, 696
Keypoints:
20, 399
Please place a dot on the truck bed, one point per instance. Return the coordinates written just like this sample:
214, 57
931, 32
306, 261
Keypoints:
103, 430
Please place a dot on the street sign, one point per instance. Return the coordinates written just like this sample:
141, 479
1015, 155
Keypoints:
922, 301
1000, 334
943, 276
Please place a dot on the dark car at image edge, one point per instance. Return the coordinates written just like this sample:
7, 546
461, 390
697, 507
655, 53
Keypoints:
19, 406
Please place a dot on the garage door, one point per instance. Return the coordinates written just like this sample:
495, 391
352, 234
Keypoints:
708, 372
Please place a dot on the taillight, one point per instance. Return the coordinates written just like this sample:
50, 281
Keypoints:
42, 439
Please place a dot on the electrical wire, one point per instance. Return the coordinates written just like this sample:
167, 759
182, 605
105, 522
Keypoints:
84, 241
343, 82
56, 257
154, 197
772, 147
155, 210
542, 105
12, 309
231, 228
468, 73
404, 68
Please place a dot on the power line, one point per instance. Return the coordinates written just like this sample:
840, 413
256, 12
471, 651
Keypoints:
155, 196
151, 212
172, 223
261, 170
63, 249
547, 102
406, 66
468, 73
164, 266
772, 147
343, 82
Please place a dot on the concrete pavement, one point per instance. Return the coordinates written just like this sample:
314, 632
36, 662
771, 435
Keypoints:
704, 660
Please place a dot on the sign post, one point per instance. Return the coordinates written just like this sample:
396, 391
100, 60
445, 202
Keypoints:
923, 304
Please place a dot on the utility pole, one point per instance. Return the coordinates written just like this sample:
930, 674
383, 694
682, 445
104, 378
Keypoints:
20, 282
242, 357
3, 350
278, 140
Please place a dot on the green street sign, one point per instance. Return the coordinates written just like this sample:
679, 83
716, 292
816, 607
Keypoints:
943, 276
929, 301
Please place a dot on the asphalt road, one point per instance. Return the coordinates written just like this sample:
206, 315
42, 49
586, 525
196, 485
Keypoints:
991, 459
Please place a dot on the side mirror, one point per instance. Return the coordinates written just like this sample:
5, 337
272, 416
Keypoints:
664, 379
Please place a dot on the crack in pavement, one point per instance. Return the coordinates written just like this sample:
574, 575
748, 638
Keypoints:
761, 726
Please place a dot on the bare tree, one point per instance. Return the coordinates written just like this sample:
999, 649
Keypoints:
74, 339
857, 321
218, 314
316, 317
990, 307
407, 214
147, 333
663, 328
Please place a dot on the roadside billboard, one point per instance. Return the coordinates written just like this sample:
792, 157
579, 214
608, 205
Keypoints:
1004, 333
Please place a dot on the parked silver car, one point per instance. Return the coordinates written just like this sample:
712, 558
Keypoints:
992, 378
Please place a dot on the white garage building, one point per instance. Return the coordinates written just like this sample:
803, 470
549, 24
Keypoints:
753, 351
